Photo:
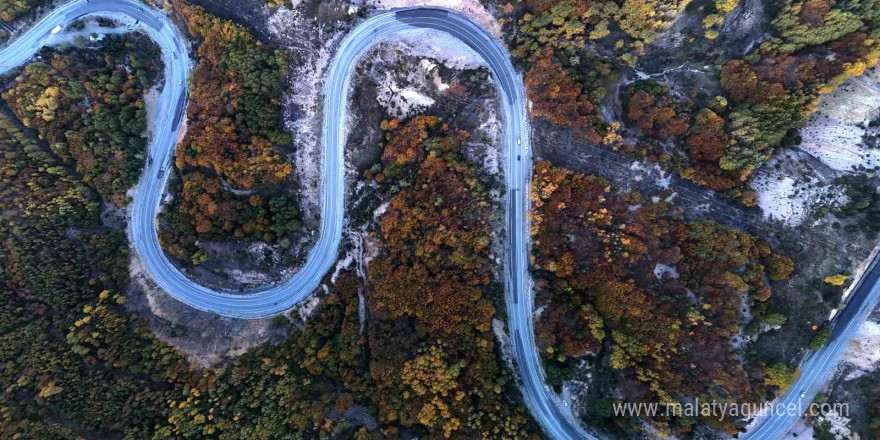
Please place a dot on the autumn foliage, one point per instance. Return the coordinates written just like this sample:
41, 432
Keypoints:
818, 46
658, 297
205, 210
88, 105
565, 84
13, 9
557, 96
657, 116
233, 141
433, 354
234, 111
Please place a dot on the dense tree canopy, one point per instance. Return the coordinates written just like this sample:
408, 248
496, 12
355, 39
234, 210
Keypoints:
12, 9
76, 363
766, 96
818, 46
565, 84
566, 25
660, 298
234, 112
433, 354
89, 106
234, 140
652, 296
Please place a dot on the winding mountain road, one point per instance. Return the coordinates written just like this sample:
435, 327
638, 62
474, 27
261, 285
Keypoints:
556, 420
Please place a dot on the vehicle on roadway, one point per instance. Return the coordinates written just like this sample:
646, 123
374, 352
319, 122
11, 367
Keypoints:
803, 394
55, 30
279, 298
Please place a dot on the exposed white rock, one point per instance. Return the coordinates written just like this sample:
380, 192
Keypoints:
303, 101
248, 277
401, 102
782, 197
776, 197
840, 426
863, 352
661, 270
833, 134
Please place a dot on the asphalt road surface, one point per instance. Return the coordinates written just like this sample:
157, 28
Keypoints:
550, 412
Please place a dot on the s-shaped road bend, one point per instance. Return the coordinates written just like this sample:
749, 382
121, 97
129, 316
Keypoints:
557, 422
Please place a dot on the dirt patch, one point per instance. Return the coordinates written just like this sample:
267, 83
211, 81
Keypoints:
206, 338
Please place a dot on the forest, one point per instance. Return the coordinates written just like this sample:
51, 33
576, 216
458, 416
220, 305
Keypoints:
13, 9
656, 299
818, 46
567, 82
863, 204
89, 107
573, 50
434, 357
232, 180
628, 283
874, 420
78, 365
